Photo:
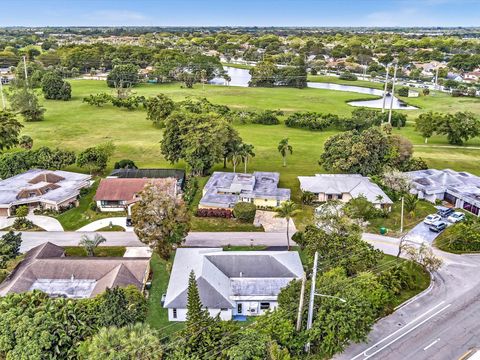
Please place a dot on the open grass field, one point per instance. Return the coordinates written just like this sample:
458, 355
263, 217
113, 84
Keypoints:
76, 125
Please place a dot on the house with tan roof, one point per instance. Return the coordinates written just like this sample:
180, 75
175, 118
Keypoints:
38, 188
46, 268
119, 194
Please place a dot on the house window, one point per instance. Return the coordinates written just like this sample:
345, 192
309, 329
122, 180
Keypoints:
239, 308
264, 306
329, 197
174, 313
223, 309
340, 196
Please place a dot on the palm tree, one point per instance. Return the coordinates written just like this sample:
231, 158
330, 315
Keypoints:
284, 148
91, 244
246, 152
287, 210
235, 156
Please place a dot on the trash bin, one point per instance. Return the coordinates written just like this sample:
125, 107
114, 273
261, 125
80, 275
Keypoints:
383, 230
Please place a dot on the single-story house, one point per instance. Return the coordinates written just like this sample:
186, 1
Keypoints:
471, 77
460, 189
344, 187
177, 174
119, 194
46, 268
224, 190
39, 188
233, 284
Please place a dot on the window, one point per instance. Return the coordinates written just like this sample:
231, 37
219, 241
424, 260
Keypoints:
329, 197
340, 196
239, 308
264, 306
174, 313
223, 309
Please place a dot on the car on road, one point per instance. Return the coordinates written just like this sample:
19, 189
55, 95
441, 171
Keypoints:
456, 217
430, 219
438, 226
444, 211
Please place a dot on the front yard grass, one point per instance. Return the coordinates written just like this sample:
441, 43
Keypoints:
112, 228
100, 251
392, 221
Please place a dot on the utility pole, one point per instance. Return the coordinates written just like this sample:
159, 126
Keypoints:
385, 91
401, 219
393, 95
312, 298
436, 79
4, 106
300, 305
25, 68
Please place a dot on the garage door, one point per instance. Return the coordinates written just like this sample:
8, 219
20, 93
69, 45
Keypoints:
3, 212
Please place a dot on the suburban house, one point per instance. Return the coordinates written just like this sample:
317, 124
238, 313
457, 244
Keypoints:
344, 187
234, 284
472, 77
119, 194
46, 268
224, 190
177, 174
39, 188
460, 189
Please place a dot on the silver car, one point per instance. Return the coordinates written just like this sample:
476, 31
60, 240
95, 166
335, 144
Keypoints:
432, 218
456, 217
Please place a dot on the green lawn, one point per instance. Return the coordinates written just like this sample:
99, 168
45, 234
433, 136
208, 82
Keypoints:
392, 222
112, 228
75, 125
422, 277
82, 215
100, 251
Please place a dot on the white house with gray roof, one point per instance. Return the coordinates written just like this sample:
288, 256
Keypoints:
233, 284
225, 189
39, 188
460, 189
344, 187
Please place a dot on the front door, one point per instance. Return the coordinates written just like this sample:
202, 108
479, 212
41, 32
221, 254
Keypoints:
239, 308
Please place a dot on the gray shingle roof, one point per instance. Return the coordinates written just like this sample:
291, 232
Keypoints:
223, 275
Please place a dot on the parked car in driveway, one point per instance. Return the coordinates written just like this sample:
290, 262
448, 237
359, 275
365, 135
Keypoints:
444, 211
456, 217
430, 219
438, 226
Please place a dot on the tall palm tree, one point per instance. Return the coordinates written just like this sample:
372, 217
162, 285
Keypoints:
287, 210
284, 148
91, 244
246, 152
235, 156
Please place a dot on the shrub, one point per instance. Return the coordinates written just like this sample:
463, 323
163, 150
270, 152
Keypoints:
22, 223
93, 206
21, 211
311, 120
267, 117
190, 190
308, 198
348, 76
218, 213
125, 164
403, 91
244, 211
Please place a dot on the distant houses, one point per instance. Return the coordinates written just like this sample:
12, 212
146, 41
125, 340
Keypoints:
224, 190
460, 189
46, 268
231, 284
41, 189
343, 187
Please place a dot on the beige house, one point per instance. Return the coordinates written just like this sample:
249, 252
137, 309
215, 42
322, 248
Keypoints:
344, 187
224, 190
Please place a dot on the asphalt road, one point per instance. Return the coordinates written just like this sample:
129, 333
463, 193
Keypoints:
441, 324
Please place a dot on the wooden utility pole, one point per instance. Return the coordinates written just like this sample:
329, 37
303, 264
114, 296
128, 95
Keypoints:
300, 305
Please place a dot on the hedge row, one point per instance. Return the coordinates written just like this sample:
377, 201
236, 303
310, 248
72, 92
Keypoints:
218, 213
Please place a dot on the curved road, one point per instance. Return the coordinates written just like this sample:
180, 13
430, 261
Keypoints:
442, 323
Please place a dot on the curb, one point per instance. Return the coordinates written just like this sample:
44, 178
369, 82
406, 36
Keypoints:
418, 296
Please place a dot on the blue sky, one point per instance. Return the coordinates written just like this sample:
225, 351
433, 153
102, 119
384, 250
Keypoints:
241, 12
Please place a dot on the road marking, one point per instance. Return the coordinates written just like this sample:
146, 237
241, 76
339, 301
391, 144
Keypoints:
364, 354
429, 346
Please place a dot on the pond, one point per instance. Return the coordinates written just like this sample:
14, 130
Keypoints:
241, 77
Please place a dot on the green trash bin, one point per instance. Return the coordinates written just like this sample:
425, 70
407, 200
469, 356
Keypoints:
383, 230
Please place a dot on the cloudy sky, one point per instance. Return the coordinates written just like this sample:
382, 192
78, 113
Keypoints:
240, 12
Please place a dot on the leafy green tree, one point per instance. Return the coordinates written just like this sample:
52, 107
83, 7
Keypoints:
410, 203
198, 139
93, 159
98, 99
159, 108
90, 244
9, 246
123, 76
22, 211
125, 164
160, 219
358, 153
25, 142
232, 144
287, 210
121, 306
263, 74
427, 124
284, 148
360, 208
138, 341
55, 88
25, 102
459, 127
9, 130
246, 152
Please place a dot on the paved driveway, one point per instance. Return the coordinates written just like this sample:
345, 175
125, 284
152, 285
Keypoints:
271, 223
421, 233
45, 222
102, 223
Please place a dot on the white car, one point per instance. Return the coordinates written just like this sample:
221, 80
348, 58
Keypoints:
456, 217
432, 218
